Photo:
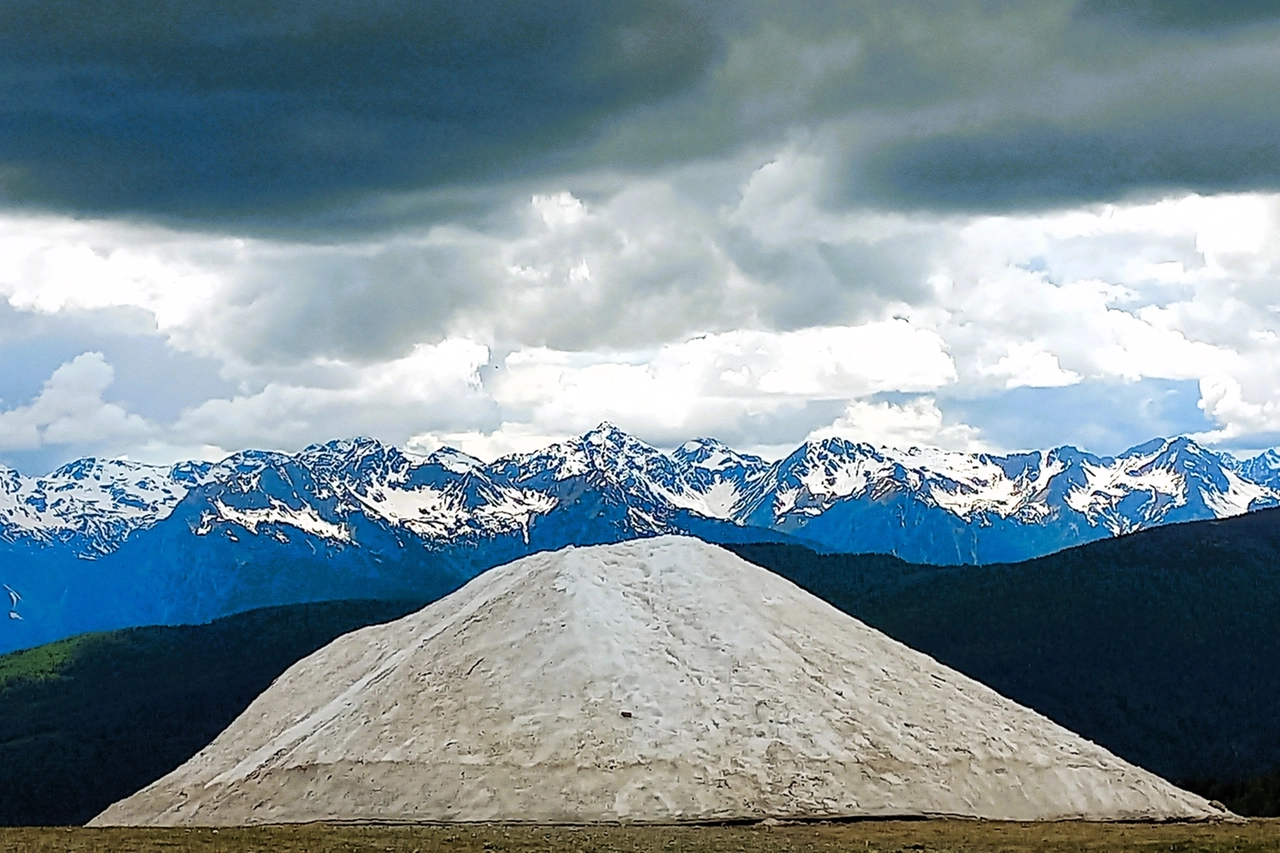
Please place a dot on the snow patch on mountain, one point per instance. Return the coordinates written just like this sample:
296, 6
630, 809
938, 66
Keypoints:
445, 513
1107, 485
702, 476
719, 500
1145, 484
823, 473
966, 484
832, 476
278, 513
92, 504
1240, 496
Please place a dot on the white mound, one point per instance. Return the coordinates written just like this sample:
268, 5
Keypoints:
653, 681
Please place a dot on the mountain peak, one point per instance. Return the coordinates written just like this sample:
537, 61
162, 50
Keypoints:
838, 445
454, 460
1269, 459
606, 432
708, 453
354, 447
1178, 452
76, 470
1263, 468
1165, 448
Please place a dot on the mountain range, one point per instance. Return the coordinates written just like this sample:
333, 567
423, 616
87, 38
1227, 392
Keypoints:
100, 544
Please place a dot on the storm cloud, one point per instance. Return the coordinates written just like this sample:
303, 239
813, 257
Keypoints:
1193, 15
240, 107
256, 113
494, 224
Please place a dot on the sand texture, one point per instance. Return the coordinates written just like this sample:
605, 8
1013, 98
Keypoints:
658, 680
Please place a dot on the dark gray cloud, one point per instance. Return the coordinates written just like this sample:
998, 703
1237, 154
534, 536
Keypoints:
1182, 14
1040, 164
333, 115
207, 108
1104, 100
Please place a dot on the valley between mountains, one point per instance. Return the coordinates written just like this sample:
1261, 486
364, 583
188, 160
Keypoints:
104, 544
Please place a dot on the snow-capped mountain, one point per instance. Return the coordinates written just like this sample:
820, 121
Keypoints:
937, 506
91, 505
1263, 469
100, 544
702, 478
327, 491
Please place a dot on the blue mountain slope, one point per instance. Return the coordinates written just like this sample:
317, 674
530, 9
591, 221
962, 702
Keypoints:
104, 544
332, 523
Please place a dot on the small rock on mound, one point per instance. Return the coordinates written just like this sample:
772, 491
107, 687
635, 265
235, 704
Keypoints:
657, 680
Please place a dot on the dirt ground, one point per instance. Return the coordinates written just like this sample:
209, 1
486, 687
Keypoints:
938, 835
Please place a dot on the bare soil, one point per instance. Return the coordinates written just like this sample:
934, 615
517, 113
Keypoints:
944, 836
743, 695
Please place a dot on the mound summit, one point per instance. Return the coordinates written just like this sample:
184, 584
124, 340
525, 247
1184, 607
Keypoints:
657, 680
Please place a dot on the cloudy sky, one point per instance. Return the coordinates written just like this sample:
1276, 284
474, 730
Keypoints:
976, 224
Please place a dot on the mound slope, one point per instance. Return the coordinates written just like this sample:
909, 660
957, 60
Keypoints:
654, 680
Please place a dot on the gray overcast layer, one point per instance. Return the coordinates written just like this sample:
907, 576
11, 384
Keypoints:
243, 112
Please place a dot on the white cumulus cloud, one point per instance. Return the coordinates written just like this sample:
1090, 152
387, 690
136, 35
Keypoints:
916, 423
434, 386
70, 410
711, 382
735, 299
